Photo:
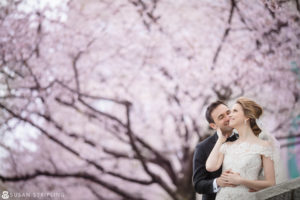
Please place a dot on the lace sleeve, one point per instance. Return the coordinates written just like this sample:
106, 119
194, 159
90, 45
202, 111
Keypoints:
267, 151
223, 148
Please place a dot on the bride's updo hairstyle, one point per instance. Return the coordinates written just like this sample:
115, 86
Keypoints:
251, 110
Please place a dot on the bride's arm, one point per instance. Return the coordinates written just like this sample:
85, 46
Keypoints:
269, 174
215, 158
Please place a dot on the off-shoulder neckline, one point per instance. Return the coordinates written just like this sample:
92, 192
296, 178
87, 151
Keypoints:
246, 142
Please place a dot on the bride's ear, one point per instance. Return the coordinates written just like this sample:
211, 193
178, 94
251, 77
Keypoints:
213, 126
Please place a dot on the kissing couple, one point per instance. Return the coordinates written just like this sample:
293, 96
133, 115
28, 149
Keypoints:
230, 165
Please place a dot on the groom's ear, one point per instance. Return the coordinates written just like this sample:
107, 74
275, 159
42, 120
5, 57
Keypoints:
213, 126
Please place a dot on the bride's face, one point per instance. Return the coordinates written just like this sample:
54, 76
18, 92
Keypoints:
236, 116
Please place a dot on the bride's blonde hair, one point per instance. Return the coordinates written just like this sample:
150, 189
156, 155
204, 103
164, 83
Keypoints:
251, 110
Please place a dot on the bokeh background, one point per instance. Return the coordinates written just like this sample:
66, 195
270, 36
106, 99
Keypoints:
105, 99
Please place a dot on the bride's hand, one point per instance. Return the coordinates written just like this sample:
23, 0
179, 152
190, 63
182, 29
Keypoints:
221, 137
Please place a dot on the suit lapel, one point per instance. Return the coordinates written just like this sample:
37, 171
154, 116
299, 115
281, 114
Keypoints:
215, 137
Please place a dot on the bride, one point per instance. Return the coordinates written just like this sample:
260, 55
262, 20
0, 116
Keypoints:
244, 158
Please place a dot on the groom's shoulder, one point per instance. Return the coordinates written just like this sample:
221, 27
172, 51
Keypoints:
205, 142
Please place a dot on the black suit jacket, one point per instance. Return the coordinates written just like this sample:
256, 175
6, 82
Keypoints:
202, 179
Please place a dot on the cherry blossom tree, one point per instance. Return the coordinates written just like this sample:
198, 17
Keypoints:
106, 99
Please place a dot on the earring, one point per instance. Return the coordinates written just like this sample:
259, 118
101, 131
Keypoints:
245, 122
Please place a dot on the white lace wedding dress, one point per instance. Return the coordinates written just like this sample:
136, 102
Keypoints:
244, 158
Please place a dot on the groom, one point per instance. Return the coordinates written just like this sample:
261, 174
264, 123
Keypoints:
204, 182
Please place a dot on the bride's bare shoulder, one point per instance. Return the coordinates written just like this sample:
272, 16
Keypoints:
263, 143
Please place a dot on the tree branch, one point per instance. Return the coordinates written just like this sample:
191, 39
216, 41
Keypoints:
82, 175
102, 113
50, 120
69, 149
297, 5
155, 178
74, 66
158, 160
225, 34
288, 137
290, 144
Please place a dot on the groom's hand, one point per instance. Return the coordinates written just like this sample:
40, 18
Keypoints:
232, 177
222, 182
252, 190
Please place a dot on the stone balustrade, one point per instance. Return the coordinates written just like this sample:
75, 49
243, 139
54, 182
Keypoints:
289, 190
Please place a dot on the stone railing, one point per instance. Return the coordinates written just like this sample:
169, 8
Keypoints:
289, 190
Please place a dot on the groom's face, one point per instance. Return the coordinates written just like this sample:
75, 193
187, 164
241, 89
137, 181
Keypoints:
220, 116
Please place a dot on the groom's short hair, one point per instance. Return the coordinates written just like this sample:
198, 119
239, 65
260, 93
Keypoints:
211, 108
